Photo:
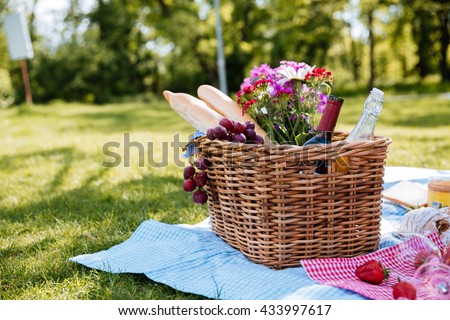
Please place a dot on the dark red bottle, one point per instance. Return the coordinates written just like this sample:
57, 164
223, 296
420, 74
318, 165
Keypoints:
325, 129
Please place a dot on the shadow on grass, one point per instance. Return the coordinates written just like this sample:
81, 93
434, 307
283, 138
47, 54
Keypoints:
58, 224
16, 162
126, 120
90, 202
156, 116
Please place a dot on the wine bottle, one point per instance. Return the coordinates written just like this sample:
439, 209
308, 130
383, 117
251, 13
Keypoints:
325, 129
364, 129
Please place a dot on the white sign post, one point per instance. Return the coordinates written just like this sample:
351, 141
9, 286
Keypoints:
20, 47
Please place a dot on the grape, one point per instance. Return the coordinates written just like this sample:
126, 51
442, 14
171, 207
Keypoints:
189, 185
227, 124
210, 134
202, 163
189, 171
239, 137
239, 127
250, 134
259, 139
220, 132
200, 179
250, 125
200, 197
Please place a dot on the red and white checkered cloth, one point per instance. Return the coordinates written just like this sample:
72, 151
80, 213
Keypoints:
340, 272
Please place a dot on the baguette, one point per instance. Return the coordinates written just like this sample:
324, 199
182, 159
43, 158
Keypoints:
227, 107
193, 110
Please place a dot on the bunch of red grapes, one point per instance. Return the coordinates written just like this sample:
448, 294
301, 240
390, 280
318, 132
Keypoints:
195, 176
195, 180
242, 132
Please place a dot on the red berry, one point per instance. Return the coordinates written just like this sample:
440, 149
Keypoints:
239, 127
200, 178
220, 132
189, 185
200, 197
227, 124
372, 272
404, 290
189, 172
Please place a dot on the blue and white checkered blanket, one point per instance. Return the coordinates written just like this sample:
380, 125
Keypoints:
193, 259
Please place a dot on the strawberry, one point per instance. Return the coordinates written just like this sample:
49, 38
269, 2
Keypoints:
404, 290
372, 272
420, 258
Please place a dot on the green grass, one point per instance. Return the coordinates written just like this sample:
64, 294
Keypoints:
57, 201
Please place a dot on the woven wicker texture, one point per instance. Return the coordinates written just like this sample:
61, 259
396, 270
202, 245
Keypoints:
268, 202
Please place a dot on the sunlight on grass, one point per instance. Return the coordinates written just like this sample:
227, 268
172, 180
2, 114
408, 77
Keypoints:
58, 201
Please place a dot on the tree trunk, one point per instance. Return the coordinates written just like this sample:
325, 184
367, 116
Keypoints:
444, 42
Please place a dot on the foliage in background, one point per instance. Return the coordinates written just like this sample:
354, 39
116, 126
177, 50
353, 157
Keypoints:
129, 47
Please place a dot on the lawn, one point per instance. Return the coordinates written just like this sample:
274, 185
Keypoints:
58, 201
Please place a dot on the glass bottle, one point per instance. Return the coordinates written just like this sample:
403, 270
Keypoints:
325, 129
364, 129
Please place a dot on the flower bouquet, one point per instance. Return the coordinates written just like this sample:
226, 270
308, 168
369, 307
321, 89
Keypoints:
285, 100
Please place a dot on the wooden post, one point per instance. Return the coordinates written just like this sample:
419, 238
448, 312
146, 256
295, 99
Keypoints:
26, 82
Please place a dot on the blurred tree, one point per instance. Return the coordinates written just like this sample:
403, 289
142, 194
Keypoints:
443, 14
303, 30
119, 35
102, 55
7, 94
183, 38
128, 47
245, 26
368, 9
430, 29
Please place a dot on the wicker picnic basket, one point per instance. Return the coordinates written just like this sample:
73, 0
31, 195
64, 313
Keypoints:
268, 202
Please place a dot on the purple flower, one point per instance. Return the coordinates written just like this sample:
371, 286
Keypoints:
278, 90
293, 117
263, 71
323, 98
277, 127
246, 83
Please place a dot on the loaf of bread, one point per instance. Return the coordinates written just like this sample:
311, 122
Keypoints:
193, 110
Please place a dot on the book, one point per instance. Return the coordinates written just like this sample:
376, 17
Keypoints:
407, 193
